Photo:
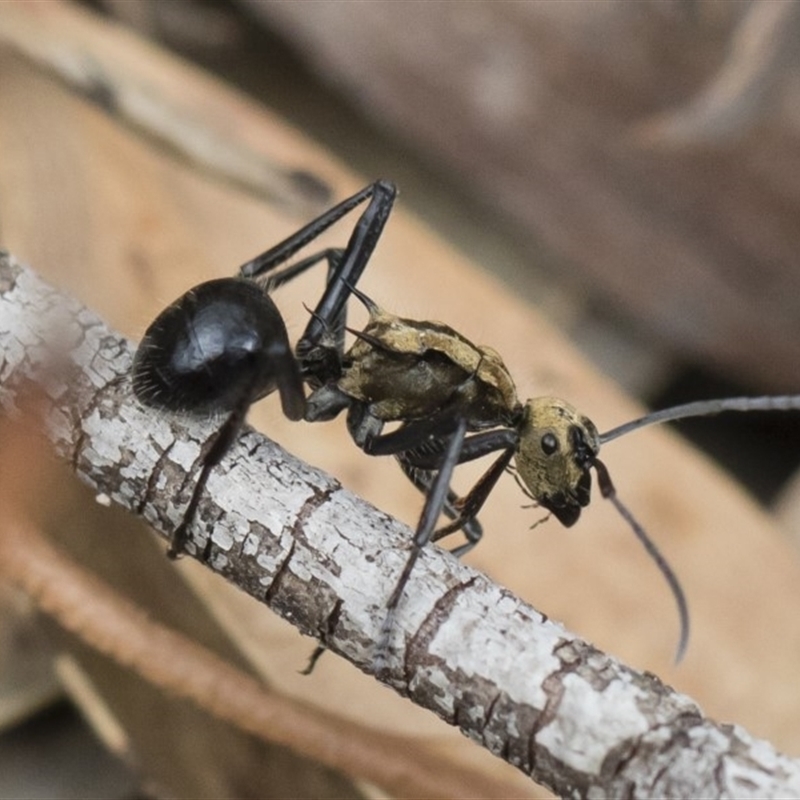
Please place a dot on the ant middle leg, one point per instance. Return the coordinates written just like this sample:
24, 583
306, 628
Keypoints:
438, 496
471, 503
466, 508
421, 447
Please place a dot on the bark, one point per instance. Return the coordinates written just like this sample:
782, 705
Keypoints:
573, 718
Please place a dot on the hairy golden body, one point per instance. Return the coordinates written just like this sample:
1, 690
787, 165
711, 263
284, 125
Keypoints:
407, 370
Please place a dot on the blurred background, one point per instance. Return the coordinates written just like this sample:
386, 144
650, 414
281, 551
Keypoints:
632, 170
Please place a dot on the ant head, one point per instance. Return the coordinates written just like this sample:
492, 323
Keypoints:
557, 447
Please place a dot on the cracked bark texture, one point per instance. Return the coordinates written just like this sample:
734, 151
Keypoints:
573, 718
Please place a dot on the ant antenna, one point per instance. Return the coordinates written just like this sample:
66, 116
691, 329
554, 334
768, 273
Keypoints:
609, 492
704, 408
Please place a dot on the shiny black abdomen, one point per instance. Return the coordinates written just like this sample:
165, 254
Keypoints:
209, 348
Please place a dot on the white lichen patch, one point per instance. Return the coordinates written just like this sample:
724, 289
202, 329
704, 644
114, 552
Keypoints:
250, 546
184, 453
222, 538
478, 638
364, 569
590, 722
105, 436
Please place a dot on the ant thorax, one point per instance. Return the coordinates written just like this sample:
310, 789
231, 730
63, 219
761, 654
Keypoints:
406, 369
557, 446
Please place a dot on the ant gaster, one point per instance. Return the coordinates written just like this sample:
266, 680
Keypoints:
223, 344
456, 402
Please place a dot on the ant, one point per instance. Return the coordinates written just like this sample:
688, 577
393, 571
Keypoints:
223, 344
456, 402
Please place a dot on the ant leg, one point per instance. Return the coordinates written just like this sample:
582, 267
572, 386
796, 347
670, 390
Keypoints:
422, 442
423, 479
467, 507
427, 522
426, 436
332, 255
288, 378
473, 501
284, 250
418, 447
409, 444
288, 373
359, 249
222, 441
326, 403
475, 446
336, 327
324, 364
362, 425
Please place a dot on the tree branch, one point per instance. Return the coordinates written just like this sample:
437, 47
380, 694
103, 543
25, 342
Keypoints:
573, 718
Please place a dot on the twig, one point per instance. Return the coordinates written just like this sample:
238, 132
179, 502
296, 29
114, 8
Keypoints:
573, 718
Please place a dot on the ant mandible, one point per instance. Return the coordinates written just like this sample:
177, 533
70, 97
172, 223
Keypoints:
223, 344
456, 402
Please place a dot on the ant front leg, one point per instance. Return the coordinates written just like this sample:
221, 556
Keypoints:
427, 522
423, 479
417, 436
419, 445
469, 505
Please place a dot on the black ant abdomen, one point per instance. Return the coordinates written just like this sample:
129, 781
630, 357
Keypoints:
223, 340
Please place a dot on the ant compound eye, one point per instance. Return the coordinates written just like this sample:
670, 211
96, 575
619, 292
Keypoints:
549, 444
